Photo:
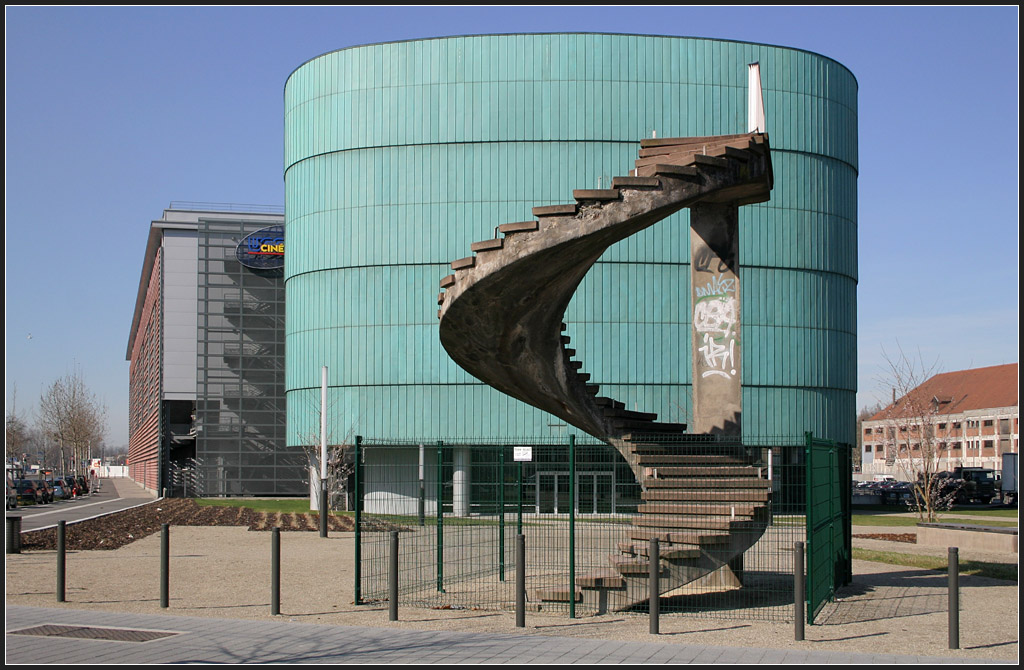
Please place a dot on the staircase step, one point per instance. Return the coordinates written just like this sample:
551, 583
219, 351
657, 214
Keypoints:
711, 472
592, 389
556, 210
618, 412
688, 459
518, 227
706, 140
463, 263
570, 352
679, 537
583, 376
751, 483
704, 495
630, 565
440, 297
711, 161
668, 551
609, 402
687, 172
710, 509
596, 194
652, 427
447, 280
575, 365
674, 521
635, 182
605, 578
487, 245
557, 595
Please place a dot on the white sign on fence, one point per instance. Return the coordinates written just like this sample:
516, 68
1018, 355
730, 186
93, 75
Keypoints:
522, 453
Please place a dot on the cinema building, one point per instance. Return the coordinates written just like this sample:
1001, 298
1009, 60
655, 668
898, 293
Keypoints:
206, 347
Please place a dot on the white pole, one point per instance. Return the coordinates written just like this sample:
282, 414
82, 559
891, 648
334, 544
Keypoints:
755, 101
323, 426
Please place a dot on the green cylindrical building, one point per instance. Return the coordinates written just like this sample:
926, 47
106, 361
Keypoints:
398, 156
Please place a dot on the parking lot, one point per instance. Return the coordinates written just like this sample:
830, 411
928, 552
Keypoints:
113, 495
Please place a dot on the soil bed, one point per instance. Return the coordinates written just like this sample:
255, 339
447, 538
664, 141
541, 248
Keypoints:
120, 528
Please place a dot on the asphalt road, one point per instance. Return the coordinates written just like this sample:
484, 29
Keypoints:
114, 495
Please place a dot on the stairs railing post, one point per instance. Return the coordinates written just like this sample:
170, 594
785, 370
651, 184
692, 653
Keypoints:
798, 591
357, 485
520, 581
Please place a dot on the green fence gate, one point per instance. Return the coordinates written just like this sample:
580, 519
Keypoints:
828, 521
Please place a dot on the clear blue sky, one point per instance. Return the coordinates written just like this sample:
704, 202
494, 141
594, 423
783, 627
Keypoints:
111, 113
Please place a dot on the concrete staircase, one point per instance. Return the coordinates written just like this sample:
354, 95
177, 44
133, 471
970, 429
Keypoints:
501, 319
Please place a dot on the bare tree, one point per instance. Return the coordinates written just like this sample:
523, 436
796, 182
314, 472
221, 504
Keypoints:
912, 439
340, 460
73, 417
16, 431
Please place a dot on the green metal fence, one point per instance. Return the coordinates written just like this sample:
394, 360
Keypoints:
828, 521
460, 505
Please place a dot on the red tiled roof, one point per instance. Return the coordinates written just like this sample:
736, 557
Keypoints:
962, 391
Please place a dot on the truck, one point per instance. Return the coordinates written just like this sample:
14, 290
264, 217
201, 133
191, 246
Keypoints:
1008, 485
977, 484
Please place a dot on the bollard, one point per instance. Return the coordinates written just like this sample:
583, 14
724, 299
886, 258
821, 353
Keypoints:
393, 578
520, 581
954, 598
14, 534
653, 593
275, 571
798, 591
165, 564
61, 552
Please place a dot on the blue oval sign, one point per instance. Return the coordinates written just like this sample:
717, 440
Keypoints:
262, 250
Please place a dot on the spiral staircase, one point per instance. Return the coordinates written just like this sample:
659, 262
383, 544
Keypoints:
501, 312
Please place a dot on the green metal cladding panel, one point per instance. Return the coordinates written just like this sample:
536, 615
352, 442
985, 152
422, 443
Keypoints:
398, 156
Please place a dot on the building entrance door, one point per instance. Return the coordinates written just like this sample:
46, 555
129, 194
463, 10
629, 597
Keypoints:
595, 493
552, 492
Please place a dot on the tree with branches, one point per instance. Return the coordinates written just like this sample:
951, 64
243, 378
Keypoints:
912, 439
73, 417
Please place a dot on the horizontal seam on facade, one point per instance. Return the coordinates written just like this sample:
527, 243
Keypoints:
375, 147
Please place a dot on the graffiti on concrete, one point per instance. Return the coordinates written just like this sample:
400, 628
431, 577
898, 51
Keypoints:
715, 316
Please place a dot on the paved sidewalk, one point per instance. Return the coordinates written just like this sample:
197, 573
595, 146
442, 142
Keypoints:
208, 640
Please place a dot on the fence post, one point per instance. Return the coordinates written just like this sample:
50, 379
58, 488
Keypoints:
61, 551
423, 488
798, 591
501, 513
954, 598
165, 554
654, 595
519, 516
275, 571
572, 526
393, 578
357, 484
520, 581
440, 517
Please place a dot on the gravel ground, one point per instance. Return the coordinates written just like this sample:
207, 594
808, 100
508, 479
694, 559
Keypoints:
224, 571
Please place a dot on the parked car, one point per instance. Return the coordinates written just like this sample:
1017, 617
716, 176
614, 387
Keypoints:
71, 484
28, 491
59, 490
83, 484
896, 493
46, 488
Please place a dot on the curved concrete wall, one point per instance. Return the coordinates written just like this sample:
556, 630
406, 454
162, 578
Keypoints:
398, 156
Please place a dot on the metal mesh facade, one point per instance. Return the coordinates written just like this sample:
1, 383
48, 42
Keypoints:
240, 401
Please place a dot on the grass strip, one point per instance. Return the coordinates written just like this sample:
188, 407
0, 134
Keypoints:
892, 520
1004, 571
